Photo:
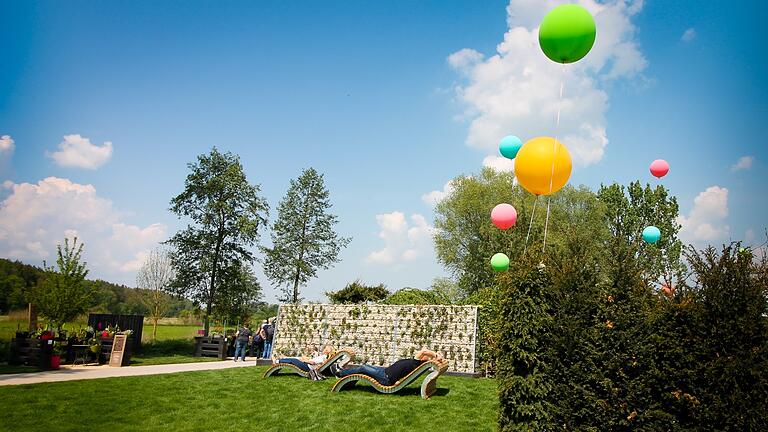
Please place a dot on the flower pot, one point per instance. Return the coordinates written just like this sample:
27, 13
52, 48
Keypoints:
55, 361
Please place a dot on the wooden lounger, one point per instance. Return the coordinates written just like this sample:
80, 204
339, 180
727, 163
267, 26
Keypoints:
428, 387
333, 358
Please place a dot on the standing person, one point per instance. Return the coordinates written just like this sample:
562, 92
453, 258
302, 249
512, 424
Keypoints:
241, 342
269, 334
263, 336
257, 348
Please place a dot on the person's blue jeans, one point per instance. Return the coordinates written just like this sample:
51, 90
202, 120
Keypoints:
296, 362
375, 372
240, 349
267, 349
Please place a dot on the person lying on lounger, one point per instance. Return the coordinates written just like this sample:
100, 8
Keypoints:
308, 363
388, 376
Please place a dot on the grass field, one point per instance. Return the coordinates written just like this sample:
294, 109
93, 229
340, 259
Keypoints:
239, 399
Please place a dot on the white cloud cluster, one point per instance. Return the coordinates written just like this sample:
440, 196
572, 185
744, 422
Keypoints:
517, 90
688, 35
35, 217
6, 144
744, 163
499, 163
403, 241
706, 221
436, 196
78, 152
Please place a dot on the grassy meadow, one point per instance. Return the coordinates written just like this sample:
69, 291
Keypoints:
239, 399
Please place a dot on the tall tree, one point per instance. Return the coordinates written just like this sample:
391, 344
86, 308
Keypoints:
465, 239
242, 295
358, 292
155, 277
303, 239
61, 294
225, 213
628, 211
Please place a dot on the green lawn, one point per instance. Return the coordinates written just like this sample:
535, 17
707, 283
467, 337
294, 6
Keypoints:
239, 399
165, 332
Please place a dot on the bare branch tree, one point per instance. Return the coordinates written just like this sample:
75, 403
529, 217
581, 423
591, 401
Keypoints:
154, 277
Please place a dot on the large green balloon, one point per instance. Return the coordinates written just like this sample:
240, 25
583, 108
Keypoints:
567, 33
500, 262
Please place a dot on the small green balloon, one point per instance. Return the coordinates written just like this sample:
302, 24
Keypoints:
567, 33
500, 262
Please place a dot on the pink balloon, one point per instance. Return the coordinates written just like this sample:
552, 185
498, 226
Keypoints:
659, 168
504, 216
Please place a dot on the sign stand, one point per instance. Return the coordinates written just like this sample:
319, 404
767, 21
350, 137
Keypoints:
118, 349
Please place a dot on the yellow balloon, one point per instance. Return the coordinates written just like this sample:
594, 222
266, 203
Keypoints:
543, 165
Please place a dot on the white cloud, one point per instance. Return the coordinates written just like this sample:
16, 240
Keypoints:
499, 163
705, 222
436, 196
403, 240
749, 236
77, 151
6, 144
517, 90
35, 217
744, 163
688, 35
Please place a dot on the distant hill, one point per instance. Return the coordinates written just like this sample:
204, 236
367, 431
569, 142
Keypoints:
16, 278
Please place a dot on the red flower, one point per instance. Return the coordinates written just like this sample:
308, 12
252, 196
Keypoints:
105, 334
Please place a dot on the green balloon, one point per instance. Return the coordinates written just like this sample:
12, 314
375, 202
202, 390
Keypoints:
567, 33
500, 262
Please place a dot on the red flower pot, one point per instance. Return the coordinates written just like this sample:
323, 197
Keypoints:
55, 361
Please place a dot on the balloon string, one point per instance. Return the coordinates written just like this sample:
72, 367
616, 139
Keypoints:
545, 226
554, 154
530, 224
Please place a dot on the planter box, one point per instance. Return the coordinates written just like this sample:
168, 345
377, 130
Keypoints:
211, 346
106, 350
31, 352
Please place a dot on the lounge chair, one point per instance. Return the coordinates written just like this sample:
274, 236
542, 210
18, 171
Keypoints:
287, 367
428, 386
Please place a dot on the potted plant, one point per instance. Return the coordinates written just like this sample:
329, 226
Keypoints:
58, 350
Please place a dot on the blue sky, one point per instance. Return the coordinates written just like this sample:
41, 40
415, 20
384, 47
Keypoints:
390, 100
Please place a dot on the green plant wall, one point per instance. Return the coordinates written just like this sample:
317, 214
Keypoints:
381, 334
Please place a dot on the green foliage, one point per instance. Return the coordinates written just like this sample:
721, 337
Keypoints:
524, 386
465, 238
213, 253
358, 292
303, 239
107, 297
729, 380
415, 296
61, 295
628, 211
447, 291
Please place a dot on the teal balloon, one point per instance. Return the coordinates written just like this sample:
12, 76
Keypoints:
567, 33
509, 146
651, 234
500, 262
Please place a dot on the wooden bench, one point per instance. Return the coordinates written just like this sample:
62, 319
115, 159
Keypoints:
287, 367
428, 387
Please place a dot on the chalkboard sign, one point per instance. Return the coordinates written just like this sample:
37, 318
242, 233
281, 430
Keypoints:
118, 350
